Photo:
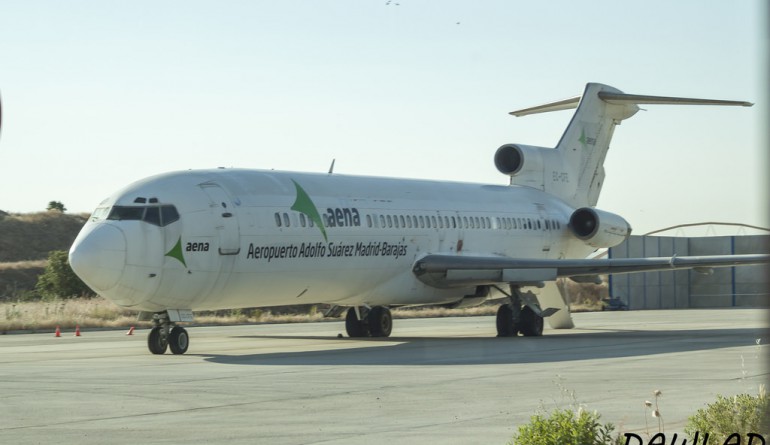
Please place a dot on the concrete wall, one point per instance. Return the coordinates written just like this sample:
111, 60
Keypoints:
745, 286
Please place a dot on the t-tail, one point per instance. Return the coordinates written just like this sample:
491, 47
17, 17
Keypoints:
574, 170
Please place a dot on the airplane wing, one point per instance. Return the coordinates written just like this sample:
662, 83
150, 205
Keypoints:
443, 271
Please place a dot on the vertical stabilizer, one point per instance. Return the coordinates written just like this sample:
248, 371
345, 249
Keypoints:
574, 171
586, 141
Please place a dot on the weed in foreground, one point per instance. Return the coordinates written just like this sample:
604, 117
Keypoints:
566, 426
727, 416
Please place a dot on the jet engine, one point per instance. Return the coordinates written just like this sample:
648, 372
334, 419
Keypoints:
514, 159
598, 228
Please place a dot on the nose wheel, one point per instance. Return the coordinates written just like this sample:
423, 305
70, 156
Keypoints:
167, 335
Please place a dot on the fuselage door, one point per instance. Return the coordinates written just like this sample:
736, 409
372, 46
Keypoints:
543, 225
225, 219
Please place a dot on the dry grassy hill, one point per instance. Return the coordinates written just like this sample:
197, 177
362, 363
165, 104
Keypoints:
25, 241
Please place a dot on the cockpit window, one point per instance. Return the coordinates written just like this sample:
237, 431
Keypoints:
123, 213
152, 215
156, 215
100, 213
168, 214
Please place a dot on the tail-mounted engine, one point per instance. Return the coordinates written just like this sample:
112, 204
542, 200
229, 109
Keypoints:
598, 228
536, 167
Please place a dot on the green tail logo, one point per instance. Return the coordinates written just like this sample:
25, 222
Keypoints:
304, 204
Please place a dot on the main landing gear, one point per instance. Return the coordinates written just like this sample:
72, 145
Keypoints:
517, 316
369, 322
165, 334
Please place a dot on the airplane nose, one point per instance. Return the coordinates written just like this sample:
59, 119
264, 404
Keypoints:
98, 256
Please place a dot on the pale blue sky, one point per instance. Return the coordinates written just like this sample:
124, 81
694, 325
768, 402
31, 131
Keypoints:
97, 94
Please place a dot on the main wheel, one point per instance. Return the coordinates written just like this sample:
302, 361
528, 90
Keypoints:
156, 341
505, 325
178, 340
354, 326
380, 321
531, 323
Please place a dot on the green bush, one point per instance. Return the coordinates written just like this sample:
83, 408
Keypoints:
565, 427
740, 414
58, 280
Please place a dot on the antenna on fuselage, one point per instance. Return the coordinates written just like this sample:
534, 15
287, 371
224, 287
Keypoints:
331, 167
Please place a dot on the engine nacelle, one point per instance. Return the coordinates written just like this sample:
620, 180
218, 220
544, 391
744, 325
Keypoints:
515, 159
536, 167
598, 228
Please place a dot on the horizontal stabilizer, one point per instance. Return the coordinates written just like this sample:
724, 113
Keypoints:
565, 104
622, 98
617, 98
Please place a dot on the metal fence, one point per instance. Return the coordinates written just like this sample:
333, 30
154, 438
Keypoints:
745, 286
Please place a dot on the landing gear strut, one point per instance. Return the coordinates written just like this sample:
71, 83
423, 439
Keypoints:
374, 322
514, 317
165, 334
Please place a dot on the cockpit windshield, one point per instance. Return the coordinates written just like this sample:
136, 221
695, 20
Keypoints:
157, 215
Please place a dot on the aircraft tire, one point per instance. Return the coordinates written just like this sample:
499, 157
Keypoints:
155, 341
531, 323
505, 326
380, 321
178, 340
355, 327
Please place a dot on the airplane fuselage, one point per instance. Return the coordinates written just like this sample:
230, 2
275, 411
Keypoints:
242, 238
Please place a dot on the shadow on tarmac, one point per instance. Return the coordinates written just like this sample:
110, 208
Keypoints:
422, 351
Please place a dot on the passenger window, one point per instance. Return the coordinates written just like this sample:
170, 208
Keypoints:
390, 221
369, 220
401, 218
382, 221
302, 219
433, 220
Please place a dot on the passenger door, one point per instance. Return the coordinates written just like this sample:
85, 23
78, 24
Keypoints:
225, 219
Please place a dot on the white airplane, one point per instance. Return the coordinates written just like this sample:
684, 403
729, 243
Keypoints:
195, 240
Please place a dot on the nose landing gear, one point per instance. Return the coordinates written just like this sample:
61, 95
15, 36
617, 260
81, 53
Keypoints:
165, 334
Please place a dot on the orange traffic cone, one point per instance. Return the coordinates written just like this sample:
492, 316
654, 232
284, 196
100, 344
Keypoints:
77, 331
130, 331
58, 332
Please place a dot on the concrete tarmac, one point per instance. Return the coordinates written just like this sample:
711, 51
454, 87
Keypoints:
447, 381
